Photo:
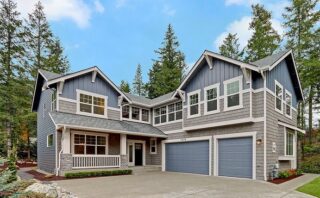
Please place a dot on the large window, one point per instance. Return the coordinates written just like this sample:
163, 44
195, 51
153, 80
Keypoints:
90, 144
135, 113
278, 96
169, 113
91, 104
288, 103
211, 104
50, 140
232, 92
193, 101
289, 142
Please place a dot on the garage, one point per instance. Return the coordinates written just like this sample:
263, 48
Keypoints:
188, 157
235, 157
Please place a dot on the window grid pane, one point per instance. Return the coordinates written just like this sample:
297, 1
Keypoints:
135, 113
233, 88
125, 111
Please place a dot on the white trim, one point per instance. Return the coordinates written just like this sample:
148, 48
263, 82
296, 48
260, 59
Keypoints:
258, 90
285, 105
225, 100
174, 131
167, 114
264, 126
79, 91
48, 146
285, 142
143, 142
291, 127
73, 132
217, 86
276, 83
235, 135
67, 99
209, 61
156, 145
113, 109
166, 123
164, 142
198, 91
94, 75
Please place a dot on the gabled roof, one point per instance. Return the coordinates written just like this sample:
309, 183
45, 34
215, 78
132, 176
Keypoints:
105, 125
140, 100
49, 75
270, 60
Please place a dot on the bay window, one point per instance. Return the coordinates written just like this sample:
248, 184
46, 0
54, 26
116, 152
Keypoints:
211, 104
278, 96
232, 93
85, 144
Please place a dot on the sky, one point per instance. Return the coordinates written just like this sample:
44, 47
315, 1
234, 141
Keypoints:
117, 35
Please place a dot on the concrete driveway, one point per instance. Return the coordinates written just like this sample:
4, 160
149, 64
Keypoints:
164, 184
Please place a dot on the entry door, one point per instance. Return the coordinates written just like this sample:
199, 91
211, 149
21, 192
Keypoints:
131, 154
138, 154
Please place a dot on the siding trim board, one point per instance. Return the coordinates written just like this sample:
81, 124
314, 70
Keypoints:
235, 135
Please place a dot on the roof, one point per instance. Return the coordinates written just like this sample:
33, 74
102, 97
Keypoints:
138, 99
105, 125
150, 102
49, 75
270, 60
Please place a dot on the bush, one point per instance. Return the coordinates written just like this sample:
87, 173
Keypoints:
283, 174
311, 149
311, 164
31, 195
299, 172
97, 173
15, 188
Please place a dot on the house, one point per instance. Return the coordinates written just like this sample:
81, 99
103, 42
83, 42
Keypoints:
227, 118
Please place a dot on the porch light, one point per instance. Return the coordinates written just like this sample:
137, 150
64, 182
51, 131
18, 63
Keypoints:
259, 141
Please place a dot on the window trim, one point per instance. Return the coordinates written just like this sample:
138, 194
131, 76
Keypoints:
167, 114
140, 114
217, 86
225, 95
293, 143
276, 83
79, 91
48, 146
92, 134
155, 146
54, 100
285, 101
199, 100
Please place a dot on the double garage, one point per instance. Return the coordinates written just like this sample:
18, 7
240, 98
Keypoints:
233, 155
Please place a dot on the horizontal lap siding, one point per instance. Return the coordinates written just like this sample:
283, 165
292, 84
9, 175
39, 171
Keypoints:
257, 104
170, 126
254, 127
113, 114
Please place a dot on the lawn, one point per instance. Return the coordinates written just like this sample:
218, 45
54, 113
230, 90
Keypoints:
311, 188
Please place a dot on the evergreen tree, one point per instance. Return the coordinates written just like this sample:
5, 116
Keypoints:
265, 40
124, 86
230, 47
56, 61
168, 70
138, 85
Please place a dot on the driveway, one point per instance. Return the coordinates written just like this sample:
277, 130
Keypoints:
164, 184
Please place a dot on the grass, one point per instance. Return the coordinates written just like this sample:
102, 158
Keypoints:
311, 188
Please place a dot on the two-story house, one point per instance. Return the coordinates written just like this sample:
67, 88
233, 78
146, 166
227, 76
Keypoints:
227, 118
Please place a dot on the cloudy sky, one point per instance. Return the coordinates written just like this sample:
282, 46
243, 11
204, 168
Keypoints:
116, 35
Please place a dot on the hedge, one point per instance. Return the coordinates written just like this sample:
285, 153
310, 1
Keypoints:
97, 173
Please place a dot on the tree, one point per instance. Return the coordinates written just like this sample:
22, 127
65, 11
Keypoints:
168, 69
124, 86
230, 47
56, 61
265, 40
138, 85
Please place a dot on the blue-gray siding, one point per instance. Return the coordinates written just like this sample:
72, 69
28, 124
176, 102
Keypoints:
188, 157
220, 72
235, 157
85, 83
45, 126
281, 73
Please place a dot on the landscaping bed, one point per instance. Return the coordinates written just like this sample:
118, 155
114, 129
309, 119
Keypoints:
282, 180
287, 175
43, 177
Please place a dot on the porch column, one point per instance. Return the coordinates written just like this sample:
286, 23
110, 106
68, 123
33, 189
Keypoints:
123, 144
66, 140
65, 158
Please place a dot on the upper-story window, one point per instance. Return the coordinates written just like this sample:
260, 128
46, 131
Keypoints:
232, 93
288, 101
54, 100
145, 115
194, 103
278, 96
126, 111
211, 103
90, 103
169, 113
135, 113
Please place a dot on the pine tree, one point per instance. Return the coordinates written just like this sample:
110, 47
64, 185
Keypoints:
124, 86
230, 47
138, 85
265, 40
168, 70
45, 51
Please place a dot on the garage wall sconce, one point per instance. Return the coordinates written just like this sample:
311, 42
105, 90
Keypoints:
259, 141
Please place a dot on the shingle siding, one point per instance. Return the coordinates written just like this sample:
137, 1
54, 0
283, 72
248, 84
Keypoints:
67, 107
45, 126
257, 104
170, 126
113, 114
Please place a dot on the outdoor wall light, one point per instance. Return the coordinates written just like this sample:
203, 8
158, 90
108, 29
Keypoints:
259, 141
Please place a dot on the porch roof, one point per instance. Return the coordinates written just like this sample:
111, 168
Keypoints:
104, 125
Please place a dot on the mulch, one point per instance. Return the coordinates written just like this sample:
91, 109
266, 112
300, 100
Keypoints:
282, 180
43, 177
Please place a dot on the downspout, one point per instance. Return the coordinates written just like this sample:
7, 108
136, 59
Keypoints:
59, 155
264, 125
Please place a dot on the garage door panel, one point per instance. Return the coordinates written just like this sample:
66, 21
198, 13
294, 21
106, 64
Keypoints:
188, 157
235, 157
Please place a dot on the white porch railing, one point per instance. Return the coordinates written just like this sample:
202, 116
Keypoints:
95, 161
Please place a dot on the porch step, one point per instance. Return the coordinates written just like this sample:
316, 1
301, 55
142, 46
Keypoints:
138, 170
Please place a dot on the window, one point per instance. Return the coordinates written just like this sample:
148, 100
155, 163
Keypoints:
193, 109
135, 113
211, 104
54, 100
145, 115
125, 111
175, 111
163, 114
153, 146
232, 93
278, 96
289, 142
90, 144
91, 104
50, 140
157, 116
288, 101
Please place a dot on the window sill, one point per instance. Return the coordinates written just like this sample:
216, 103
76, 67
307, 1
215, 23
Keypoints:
233, 108
133, 120
288, 116
286, 158
166, 123
193, 116
279, 111
211, 112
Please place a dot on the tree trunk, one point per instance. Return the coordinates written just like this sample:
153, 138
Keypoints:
310, 113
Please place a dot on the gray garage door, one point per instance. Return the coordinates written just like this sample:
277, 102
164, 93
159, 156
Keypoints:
188, 157
235, 157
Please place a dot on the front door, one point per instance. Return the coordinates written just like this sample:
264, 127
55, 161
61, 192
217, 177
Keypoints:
138, 154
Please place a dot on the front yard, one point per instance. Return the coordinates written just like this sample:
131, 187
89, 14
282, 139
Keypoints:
311, 188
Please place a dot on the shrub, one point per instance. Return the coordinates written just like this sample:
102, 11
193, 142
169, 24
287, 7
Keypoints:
31, 195
283, 174
299, 172
311, 164
98, 173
